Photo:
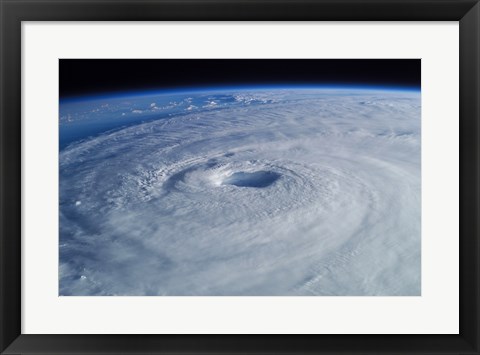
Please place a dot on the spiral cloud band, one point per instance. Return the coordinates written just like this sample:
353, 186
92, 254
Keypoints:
248, 192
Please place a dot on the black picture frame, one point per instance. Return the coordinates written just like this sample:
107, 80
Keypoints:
13, 12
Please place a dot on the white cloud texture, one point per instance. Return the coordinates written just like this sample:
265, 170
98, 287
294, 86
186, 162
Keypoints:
303, 192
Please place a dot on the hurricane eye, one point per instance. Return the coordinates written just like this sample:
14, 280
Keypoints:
258, 179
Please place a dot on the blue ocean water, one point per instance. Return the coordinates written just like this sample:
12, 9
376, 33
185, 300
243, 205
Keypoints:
88, 116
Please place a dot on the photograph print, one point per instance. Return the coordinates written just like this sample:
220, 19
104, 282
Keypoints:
239, 177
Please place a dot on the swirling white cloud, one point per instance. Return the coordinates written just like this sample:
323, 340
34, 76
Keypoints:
260, 192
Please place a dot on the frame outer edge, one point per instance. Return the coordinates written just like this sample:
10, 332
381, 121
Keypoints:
470, 176
3, 321
10, 193
10, 175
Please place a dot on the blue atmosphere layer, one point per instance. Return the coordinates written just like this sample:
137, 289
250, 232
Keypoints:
207, 89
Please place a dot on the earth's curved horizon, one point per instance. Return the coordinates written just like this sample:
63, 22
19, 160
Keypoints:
252, 191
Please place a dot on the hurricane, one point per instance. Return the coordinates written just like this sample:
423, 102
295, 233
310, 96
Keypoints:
242, 192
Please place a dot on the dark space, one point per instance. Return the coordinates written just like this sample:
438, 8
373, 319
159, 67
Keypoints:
79, 77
